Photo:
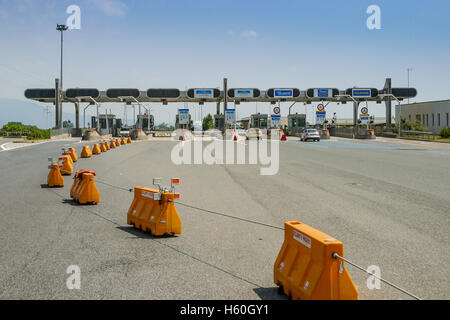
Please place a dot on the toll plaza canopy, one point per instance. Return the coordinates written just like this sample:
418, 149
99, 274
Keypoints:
215, 95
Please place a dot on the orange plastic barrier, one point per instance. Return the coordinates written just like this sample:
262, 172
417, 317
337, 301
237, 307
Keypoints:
305, 268
83, 189
66, 165
113, 144
103, 147
69, 157
86, 152
54, 178
73, 157
123, 141
107, 145
73, 154
117, 142
129, 140
77, 179
154, 211
96, 149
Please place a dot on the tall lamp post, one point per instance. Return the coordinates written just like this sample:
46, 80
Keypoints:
408, 70
61, 28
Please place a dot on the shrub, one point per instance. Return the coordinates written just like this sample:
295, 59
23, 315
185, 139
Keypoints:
38, 134
413, 126
445, 132
32, 132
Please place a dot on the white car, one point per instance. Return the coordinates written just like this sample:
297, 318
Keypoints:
254, 133
310, 134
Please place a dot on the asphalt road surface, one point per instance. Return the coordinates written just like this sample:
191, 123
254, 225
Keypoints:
387, 201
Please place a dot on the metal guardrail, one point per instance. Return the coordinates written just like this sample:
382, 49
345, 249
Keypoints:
59, 131
425, 135
13, 134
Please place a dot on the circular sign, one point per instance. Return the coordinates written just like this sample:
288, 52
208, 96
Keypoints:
320, 107
276, 110
364, 110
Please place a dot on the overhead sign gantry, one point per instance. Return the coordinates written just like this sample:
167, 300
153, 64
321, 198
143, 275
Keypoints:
216, 95
237, 95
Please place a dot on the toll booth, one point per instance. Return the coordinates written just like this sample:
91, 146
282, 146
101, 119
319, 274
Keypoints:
219, 122
113, 127
296, 124
187, 126
244, 123
259, 121
148, 122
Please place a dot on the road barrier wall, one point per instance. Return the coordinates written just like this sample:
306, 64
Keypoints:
66, 165
305, 268
154, 211
86, 152
54, 178
84, 190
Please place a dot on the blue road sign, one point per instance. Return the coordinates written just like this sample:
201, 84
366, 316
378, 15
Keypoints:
322, 93
243, 93
361, 93
204, 93
283, 93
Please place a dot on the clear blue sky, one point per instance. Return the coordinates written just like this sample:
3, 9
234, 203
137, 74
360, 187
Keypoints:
263, 44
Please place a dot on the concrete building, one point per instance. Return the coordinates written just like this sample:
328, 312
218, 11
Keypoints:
434, 115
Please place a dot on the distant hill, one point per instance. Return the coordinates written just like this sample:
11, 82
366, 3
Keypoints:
30, 113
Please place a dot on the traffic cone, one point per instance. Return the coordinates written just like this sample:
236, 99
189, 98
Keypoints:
235, 138
129, 140
112, 144
283, 137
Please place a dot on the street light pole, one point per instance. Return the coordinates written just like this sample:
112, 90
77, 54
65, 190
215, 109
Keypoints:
84, 111
61, 28
408, 71
399, 112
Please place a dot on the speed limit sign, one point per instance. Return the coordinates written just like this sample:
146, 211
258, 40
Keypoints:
320, 107
364, 110
276, 110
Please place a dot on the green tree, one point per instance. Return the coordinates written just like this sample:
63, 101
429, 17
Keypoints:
162, 126
67, 124
208, 122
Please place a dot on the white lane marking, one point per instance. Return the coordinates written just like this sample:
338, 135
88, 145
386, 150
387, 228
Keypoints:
11, 145
17, 145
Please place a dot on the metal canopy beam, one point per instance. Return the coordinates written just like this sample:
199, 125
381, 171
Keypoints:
43, 95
